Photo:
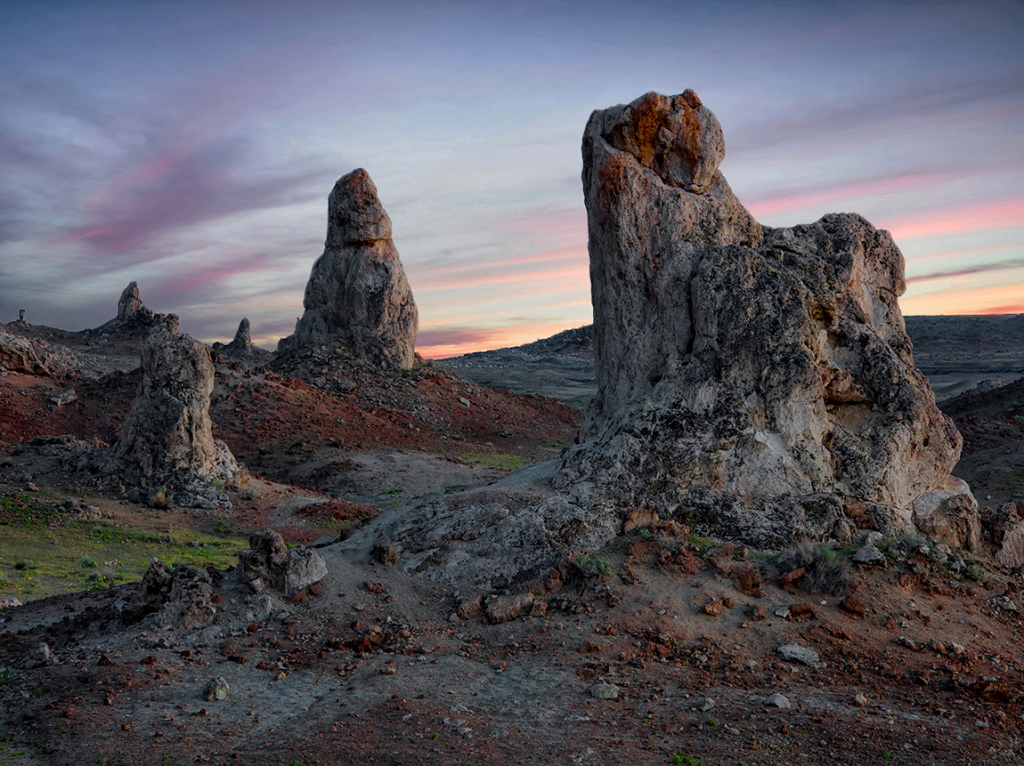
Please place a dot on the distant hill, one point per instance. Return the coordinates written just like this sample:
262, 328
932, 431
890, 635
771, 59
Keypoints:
957, 353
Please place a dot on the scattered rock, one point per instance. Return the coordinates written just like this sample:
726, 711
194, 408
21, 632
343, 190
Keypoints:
604, 691
860, 700
756, 612
801, 611
868, 554
65, 397
639, 518
384, 552
706, 705
802, 654
470, 607
33, 356
216, 689
949, 513
41, 657
713, 608
792, 577
7, 602
357, 292
777, 700
1011, 547
507, 608
853, 606
182, 597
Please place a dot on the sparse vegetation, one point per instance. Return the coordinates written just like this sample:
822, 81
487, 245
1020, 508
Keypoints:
826, 570
157, 498
592, 566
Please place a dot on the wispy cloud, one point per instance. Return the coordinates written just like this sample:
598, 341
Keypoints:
996, 215
176, 187
979, 268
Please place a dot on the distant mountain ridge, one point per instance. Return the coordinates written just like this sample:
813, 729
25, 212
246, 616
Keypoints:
956, 353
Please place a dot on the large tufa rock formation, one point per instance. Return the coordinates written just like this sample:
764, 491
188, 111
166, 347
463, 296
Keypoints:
357, 292
756, 384
757, 381
167, 439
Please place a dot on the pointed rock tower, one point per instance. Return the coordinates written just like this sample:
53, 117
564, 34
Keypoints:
357, 292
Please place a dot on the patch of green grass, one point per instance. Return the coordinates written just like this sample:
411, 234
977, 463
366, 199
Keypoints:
43, 561
700, 543
505, 461
28, 511
683, 759
1011, 480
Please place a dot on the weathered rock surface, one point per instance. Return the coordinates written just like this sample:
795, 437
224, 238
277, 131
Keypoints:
182, 597
167, 439
949, 513
270, 563
751, 381
756, 384
33, 356
357, 292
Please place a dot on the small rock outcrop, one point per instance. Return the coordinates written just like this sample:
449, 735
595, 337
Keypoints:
130, 307
753, 381
167, 439
357, 293
33, 356
241, 346
269, 563
182, 597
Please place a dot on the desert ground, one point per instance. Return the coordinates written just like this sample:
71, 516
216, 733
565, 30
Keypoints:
663, 648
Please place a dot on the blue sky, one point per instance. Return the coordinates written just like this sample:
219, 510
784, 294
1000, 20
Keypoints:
191, 146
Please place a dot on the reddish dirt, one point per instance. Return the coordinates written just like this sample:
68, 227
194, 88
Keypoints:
372, 670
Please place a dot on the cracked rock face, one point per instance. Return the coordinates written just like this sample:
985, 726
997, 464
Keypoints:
167, 439
357, 292
756, 381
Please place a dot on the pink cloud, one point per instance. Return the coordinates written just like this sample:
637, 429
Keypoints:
815, 198
997, 215
445, 342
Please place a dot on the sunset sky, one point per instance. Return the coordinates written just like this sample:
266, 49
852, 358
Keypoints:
191, 146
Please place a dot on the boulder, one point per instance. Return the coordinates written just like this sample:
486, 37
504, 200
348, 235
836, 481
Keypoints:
19, 354
753, 382
357, 293
167, 439
34, 356
183, 597
270, 563
949, 513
